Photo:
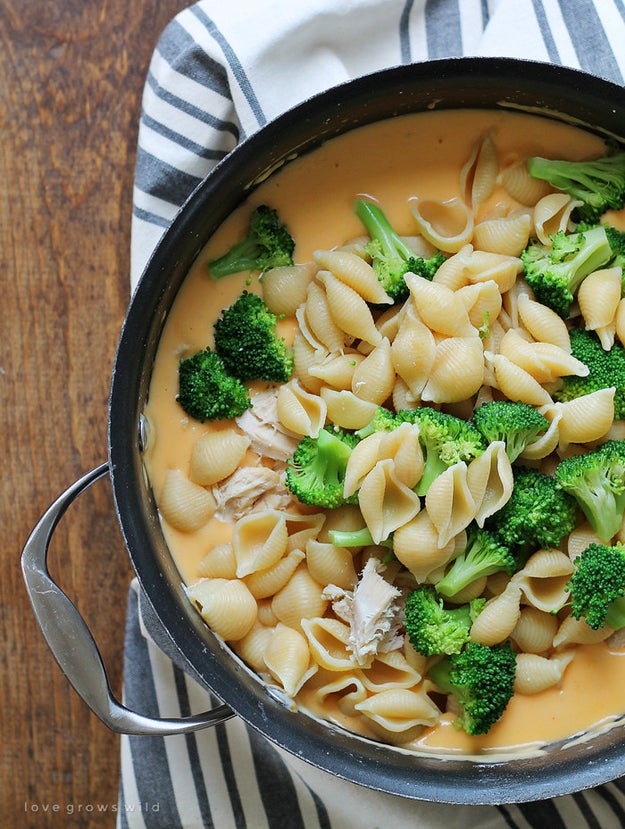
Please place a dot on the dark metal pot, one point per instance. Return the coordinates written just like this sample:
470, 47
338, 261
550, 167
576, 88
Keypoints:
555, 92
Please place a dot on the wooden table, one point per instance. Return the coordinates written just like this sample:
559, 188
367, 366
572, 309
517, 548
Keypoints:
71, 77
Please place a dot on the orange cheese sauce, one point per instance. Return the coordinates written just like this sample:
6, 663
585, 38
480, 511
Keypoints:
390, 161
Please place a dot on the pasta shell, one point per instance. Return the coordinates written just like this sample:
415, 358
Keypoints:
579, 538
478, 176
327, 640
412, 353
453, 273
320, 320
219, 563
346, 410
523, 187
226, 605
586, 418
355, 272
483, 266
544, 578
328, 564
299, 599
535, 630
185, 505
344, 691
448, 225
542, 323
284, 288
490, 481
399, 710
301, 528
552, 214
389, 671
576, 632
216, 454
251, 648
598, 297
337, 370
265, 583
349, 310
546, 443
498, 617
304, 357
415, 545
439, 307
259, 541
385, 502
482, 301
299, 410
449, 503
537, 673
457, 372
374, 377
507, 235
266, 616
516, 383
288, 659
619, 322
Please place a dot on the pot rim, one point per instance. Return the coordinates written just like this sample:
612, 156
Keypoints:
549, 90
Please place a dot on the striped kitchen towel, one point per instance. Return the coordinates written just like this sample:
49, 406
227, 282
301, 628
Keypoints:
219, 72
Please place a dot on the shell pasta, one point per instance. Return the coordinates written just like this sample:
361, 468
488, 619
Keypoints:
308, 585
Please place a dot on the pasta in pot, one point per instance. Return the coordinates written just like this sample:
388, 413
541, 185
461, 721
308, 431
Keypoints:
313, 597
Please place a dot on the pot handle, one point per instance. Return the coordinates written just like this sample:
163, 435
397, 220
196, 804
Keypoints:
71, 642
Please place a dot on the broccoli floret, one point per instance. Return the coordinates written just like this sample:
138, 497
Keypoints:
206, 391
537, 514
597, 482
517, 424
597, 586
382, 421
555, 273
246, 339
391, 257
268, 244
445, 440
482, 556
316, 472
434, 629
606, 370
481, 677
599, 183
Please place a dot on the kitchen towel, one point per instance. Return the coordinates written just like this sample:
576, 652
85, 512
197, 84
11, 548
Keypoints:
219, 72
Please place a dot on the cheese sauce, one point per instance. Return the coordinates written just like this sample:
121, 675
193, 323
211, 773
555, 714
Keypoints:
390, 162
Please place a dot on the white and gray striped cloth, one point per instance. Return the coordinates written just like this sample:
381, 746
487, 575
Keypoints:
219, 72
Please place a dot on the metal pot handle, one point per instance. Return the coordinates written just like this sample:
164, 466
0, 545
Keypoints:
71, 642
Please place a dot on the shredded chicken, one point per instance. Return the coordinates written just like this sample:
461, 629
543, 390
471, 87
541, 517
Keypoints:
262, 425
249, 489
373, 611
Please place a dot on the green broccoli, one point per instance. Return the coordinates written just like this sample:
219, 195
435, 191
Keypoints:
246, 339
537, 514
517, 424
268, 244
597, 586
482, 556
445, 440
481, 677
555, 273
434, 629
206, 391
599, 184
356, 538
391, 257
596, 480
606, 370
316, 472
382, 421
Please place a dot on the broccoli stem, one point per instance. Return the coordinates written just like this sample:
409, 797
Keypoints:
356, 538
378, 227
615, 617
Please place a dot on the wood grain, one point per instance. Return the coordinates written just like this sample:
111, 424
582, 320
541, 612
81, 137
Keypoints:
71, 78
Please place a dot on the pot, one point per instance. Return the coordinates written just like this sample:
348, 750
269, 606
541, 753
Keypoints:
551, 91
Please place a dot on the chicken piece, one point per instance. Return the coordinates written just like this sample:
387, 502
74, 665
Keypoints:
249, 489
262, 426
373, 611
